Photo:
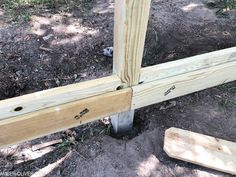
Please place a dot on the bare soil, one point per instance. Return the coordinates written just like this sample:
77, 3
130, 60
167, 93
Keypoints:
55, 49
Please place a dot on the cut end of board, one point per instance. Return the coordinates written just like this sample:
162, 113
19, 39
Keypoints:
200, 149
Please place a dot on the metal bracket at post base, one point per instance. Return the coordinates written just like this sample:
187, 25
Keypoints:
122, 122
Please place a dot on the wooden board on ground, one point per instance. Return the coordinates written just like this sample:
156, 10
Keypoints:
55, 119
200, 149
44, 145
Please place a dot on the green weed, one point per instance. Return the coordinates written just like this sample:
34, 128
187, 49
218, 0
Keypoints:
222, 6
227, 103
229, 87
66, 143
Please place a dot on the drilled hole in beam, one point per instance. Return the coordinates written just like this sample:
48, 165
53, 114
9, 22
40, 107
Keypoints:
17, 109
120, 87
141, 82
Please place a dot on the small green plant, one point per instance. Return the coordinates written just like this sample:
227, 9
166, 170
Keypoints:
223, 6
23, 17
66, 143
230, 4
229, 87
227, 103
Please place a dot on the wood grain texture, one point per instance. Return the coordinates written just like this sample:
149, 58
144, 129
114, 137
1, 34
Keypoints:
131, 19
200, 149
50, 120
165, 70
172, 87
52, 97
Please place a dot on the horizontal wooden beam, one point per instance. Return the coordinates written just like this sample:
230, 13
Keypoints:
41, 113
172, 87
165, 70
53, 97
200, 149
50, 120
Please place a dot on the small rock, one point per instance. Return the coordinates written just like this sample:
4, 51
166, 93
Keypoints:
108, 52
168, 104
83, 75
18, 73
70, 133
57, 82
46, 38
106, 120
77, 80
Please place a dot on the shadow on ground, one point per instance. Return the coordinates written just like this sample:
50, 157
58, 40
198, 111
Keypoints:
54, 49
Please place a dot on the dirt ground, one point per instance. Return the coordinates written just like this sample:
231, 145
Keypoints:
55, 49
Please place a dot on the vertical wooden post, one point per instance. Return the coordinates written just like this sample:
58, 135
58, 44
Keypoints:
131, 19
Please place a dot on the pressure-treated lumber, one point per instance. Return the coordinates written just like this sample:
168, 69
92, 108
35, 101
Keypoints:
172, 87
165, 70
200, 149
131, 18
53, 97
50, 120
